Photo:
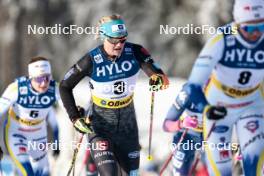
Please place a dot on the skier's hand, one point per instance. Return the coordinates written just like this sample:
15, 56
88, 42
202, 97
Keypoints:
158, 82
172, 126
215, 112
190, 122
82, 123
56, 152
81, 111
81, 126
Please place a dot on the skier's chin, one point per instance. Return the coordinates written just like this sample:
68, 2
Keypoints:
117, 52
42, 89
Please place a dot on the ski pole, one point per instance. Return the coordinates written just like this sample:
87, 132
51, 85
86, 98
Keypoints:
172, 153
75, 152
197, 159
150, 157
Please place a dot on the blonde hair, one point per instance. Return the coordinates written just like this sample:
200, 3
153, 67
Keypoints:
106, 19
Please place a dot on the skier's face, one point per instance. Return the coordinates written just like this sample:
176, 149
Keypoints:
114, 46
252, 30
41, 83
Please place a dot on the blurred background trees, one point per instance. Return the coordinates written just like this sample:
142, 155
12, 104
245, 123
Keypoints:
174, 53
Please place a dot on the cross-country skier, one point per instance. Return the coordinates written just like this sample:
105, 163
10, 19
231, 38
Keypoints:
233, 61
29, 101
186, 114
113, 69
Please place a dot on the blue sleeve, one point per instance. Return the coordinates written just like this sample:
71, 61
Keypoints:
181, 102
56, 135
197, 98
190, 97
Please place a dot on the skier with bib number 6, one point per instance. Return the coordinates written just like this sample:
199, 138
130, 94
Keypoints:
28, 102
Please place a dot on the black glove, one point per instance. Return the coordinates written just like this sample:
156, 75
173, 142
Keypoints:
1, 153
56, 152
215, 112
81, 111
158, 82
81, 126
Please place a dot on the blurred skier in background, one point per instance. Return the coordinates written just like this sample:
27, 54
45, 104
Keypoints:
113, 68
233, 62
29, 101
186, 114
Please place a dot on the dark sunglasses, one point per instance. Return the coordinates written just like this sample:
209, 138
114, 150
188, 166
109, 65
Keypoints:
250, 28
116, 40
40, 79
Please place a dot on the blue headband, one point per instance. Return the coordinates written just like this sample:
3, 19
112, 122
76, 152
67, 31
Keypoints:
114, 28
